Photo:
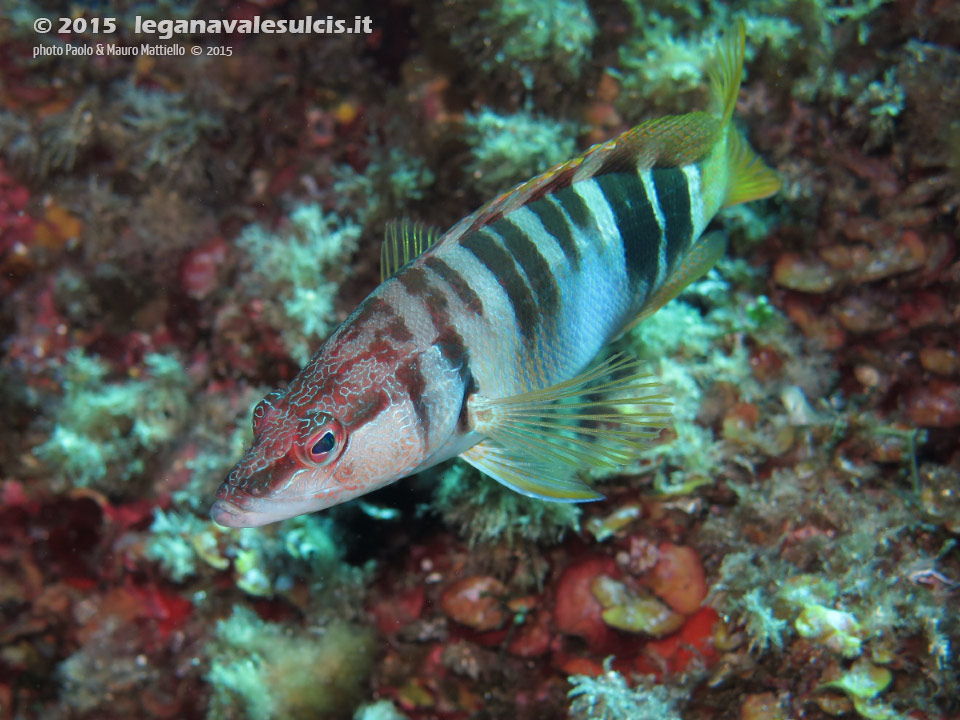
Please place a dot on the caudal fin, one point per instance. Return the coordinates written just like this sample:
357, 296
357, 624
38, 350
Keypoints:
750, 177
725, 72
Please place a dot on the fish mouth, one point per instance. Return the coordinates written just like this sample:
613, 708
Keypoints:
236, 509
226, 514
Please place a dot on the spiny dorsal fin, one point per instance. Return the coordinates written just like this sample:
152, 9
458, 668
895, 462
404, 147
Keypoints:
535, 441
669, 141
404, 240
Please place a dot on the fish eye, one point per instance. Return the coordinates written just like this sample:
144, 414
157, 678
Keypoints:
322, 446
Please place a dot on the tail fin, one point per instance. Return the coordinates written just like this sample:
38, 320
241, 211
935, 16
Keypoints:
750, 178
725, 72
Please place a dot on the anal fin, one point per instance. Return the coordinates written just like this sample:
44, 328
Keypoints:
526, 478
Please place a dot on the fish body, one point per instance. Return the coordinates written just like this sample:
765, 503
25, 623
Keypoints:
481, 345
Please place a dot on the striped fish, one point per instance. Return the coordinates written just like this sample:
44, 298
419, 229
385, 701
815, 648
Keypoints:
483, 345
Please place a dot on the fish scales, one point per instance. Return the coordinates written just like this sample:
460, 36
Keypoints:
485, 345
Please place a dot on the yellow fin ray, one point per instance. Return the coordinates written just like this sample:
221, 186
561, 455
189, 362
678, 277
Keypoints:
538, 439
403, 241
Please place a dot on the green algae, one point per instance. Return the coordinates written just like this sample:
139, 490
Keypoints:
107, 429
267, 670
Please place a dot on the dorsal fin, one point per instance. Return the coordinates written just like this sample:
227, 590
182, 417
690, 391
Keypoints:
669, 141
403, 240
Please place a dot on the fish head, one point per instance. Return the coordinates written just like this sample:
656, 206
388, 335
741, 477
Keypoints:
320, 444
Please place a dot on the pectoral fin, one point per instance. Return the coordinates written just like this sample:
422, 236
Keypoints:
536, 441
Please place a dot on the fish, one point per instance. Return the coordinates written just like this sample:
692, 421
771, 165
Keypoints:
487, 342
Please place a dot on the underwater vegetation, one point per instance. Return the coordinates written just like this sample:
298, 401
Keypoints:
178, 234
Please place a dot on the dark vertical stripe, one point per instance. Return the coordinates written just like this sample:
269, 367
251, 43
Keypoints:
536, 268
457, 283
366, 407
555, 223
410, 375
371, 310
420, 284
617, 162
398, 331
501, 264
454, 351
463, 419
576, 208
414, 281
673, 193
382, 315
637, 223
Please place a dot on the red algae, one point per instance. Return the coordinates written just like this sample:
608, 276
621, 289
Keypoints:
678, 578
399, 610
576, 610
936, 404
200, 271
534, 637
476, 602
694, 643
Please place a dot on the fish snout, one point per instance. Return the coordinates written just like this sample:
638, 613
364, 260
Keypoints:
224, 514
230, 507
